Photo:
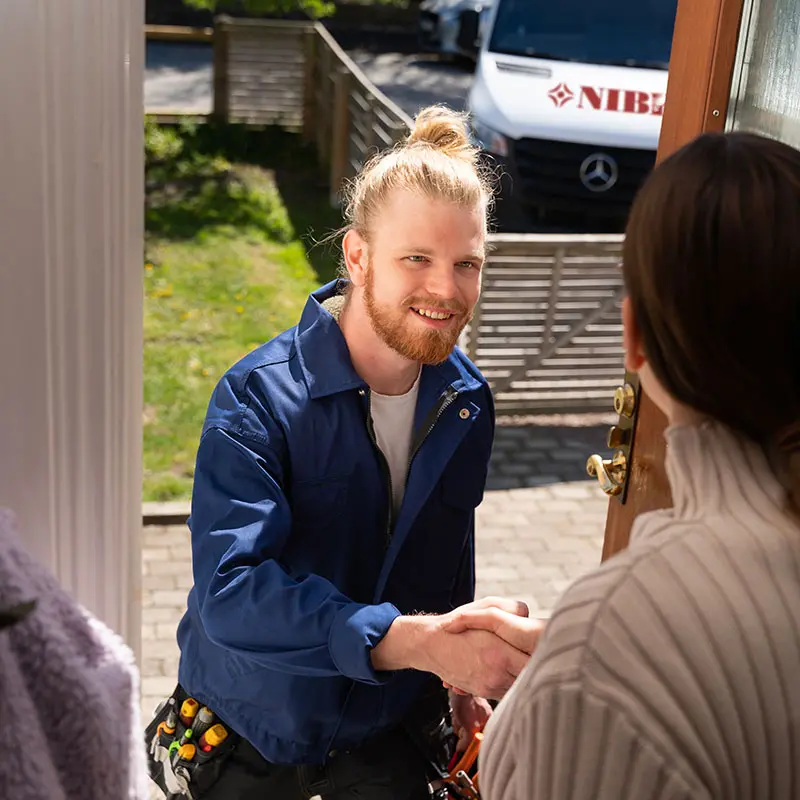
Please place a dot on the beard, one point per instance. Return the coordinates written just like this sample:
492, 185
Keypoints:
395, 327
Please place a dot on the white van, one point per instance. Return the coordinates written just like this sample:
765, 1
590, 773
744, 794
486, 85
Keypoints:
452, 27
568, 99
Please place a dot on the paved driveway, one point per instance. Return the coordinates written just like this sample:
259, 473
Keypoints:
179, 78
415, 81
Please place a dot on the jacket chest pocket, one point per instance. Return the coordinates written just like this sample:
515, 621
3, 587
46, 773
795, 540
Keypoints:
462, 489
317, 503
460, 493
429, 564
317, 543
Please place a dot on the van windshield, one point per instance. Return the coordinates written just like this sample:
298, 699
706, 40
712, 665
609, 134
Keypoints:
628, 33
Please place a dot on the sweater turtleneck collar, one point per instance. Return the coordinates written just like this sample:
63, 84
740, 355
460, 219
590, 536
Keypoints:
713, 470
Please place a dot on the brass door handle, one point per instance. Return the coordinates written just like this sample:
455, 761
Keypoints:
610, 473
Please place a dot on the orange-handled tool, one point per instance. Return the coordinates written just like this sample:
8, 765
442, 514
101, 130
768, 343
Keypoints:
470, 756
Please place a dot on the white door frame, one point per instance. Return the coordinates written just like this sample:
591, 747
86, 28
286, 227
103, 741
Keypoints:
71, 250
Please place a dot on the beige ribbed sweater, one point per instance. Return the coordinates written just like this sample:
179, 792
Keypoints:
673, 670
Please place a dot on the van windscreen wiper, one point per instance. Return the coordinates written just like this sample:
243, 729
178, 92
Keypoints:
635, 62
532, 52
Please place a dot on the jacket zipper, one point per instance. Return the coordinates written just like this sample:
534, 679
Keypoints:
445, 401
387, 473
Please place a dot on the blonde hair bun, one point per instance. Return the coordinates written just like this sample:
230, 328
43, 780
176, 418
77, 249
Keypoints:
437, 160
446, 130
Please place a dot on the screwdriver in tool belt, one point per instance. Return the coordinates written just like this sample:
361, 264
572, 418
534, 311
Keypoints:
170, 723
213, 737
470, 755
202, 722
176, 752
186, 752
187, 737
209, 742
189, 709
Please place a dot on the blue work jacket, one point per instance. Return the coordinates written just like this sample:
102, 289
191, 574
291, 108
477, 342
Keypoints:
300, 565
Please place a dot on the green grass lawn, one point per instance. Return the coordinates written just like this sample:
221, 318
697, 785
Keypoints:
232, 218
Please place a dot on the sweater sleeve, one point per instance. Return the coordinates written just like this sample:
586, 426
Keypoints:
562, 741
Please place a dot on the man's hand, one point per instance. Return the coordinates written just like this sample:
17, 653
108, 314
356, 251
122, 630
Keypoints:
506, 604
520, 632
469, 715
477, 661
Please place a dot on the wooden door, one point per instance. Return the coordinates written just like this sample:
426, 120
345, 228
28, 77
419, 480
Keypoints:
701, 66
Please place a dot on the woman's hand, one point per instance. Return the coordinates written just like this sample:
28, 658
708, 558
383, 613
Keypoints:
521, 632
470, 714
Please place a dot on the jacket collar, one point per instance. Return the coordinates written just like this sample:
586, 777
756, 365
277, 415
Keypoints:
325, 359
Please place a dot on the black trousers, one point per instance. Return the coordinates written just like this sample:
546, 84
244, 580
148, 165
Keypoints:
388, 767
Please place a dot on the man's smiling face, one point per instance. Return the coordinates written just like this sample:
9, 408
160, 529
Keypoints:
424, 273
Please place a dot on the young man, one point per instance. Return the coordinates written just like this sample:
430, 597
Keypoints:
337, 476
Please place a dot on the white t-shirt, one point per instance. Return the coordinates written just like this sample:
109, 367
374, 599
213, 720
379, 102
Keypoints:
393, 419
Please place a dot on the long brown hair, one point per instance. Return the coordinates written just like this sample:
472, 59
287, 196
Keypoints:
712, 268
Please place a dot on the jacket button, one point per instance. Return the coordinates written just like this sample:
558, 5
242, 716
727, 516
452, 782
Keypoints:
333, 754
464, 413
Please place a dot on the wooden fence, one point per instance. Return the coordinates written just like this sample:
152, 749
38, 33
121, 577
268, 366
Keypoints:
347, 116
259, 71
294, 74
547, 331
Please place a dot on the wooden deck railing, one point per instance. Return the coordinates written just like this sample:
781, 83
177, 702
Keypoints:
547, 331
294, 74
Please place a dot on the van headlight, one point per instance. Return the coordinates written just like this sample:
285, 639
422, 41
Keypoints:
489, 139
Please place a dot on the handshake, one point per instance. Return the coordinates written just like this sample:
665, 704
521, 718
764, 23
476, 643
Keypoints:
477, 649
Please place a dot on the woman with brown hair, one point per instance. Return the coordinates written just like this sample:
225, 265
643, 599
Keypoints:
673, 670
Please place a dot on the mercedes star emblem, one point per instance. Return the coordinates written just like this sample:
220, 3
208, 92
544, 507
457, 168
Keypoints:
599, 172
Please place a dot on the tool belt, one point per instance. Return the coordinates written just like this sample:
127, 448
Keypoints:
187, 746
454, 776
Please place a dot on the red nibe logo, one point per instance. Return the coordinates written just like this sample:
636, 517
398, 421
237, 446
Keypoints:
625, 101
561, 95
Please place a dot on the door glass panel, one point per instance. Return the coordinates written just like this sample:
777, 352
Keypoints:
766, 86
